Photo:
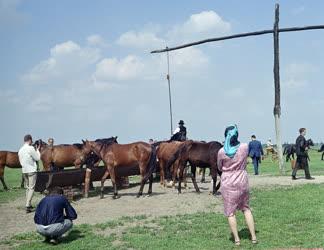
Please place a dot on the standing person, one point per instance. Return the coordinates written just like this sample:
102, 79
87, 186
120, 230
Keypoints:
50, 142
232, 160
269, 147
302, 155
255, 152
54, 215
28, 158
180, 133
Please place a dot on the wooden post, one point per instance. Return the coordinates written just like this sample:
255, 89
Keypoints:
276, 73
169, 84
87, 182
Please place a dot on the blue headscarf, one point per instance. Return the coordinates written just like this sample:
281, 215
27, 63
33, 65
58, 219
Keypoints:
231, 144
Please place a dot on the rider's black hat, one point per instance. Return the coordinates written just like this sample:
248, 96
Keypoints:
181, 122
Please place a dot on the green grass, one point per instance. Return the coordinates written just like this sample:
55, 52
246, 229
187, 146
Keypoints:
269, 167
285, 217
13, 181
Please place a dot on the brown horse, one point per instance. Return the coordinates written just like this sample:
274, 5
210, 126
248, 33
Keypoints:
203, 155
11, 160
64, 155
168, 153
165, 150
138, 154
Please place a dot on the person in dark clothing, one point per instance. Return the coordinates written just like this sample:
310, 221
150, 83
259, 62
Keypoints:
302, 155
180, 133
54, 215
255, 152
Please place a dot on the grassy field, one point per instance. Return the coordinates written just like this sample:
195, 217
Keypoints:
268, 167
285, 217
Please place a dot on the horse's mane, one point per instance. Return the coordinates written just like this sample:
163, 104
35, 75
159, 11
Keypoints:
78, 145
107, 141
216, 142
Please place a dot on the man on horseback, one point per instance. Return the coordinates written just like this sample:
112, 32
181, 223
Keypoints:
180, 133
302, 155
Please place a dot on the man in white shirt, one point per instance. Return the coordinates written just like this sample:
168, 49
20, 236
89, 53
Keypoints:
28, 158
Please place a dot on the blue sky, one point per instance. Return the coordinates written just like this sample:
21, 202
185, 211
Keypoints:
82, 69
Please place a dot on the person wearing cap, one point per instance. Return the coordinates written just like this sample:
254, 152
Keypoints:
255, 152
180, 133
28, 158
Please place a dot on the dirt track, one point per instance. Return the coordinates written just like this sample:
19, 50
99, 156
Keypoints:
164, 201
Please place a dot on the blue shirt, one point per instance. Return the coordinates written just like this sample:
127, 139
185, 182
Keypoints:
51, 210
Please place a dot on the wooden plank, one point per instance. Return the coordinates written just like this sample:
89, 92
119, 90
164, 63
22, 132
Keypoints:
247, 34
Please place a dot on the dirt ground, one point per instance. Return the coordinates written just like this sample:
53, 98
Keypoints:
163, 201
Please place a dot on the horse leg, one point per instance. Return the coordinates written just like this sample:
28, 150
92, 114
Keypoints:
113, 181
174, 174
203, 174
182, 168
103, 179
322, 156
162, 177
142, 172
2, 177
185, 183
150, 184
193, 177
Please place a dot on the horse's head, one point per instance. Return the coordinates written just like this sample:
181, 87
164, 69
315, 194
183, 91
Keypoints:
40, 144
310, 142
86, 147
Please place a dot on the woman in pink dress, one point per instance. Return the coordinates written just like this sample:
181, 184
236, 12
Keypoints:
232, 160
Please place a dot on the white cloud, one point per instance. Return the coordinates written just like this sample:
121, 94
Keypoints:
96, 40
188, 58
297, 74
200, 25
42, 103
113, 69
66, 61
144, 39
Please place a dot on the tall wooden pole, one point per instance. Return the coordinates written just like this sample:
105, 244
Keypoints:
169, 84
276, 73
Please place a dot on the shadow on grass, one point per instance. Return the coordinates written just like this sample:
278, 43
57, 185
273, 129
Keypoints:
243, 234
75, 234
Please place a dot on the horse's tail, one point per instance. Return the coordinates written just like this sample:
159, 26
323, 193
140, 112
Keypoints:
151, 166
182, 149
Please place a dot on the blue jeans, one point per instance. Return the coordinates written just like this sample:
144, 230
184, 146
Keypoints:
55, 230
255, 161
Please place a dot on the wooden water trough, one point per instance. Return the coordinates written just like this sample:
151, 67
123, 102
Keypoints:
72, 177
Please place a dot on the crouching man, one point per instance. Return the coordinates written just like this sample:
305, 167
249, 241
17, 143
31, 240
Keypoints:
54, 215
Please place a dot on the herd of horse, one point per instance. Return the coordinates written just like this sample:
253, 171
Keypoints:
172, 158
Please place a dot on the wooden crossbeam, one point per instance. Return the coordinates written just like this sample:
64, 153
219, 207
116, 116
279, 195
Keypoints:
255, 33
